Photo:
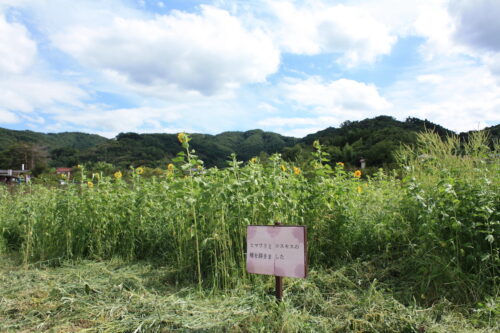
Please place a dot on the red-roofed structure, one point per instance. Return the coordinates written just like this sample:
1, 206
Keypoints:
64, 171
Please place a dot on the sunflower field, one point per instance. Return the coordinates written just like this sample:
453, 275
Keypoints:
433, 226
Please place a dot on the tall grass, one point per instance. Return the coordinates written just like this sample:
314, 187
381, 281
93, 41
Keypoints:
439, 220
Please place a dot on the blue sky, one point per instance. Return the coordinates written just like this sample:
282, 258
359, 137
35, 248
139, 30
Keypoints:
293, 67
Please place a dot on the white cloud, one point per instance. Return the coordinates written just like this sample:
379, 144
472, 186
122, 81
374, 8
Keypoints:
346, 99
294, 122
349, 31
23, 89
492, 60
28, 93
430, 78
466, 98
266, 107
298, 126
180, 70
118, 120
203, 52
313, 104
7, 117
298, 132
17, 49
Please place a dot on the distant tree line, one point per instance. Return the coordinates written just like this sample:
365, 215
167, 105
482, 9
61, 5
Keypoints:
374, 140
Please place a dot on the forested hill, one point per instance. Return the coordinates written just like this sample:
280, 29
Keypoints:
75, 140
373, 139
152, 150
158, 149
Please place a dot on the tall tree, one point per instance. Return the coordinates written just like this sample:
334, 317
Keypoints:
33, 156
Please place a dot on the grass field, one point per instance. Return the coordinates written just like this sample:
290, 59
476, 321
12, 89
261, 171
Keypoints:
411, 250
116, 296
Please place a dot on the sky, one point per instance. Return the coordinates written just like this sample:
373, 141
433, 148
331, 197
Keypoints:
292, 67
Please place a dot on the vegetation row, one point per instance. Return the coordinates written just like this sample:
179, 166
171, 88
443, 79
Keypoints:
435, 223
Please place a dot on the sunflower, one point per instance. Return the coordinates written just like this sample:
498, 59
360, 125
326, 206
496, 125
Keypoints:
181, 137
296, 171
357, 174
118, 174
170, 167
90, 184
139, 171
253, 160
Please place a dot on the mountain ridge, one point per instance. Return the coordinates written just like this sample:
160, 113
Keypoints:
374, 139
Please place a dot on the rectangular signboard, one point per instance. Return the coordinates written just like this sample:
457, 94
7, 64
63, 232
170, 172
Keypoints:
277, 250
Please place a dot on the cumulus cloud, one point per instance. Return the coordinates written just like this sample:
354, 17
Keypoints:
313, 104
298, 126
203, 52
7, 117
349, 31
464, 97
17, 49
345, 98
477, 23
27, 93
430, 78
181, 69
119, 120
23, 90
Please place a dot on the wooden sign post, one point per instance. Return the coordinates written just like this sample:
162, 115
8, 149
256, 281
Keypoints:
277, 250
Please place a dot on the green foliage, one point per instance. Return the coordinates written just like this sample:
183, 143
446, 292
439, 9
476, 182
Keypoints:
452, 206
33, 156
439, 222
375, 140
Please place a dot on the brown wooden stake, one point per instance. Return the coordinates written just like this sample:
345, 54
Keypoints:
279, 281
279, 288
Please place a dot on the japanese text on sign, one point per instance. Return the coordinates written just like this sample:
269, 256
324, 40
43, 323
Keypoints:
277, 250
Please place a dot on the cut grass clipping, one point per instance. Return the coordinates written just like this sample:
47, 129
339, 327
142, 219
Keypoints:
114, 296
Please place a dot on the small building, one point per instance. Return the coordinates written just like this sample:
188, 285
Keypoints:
14, 176
64, 171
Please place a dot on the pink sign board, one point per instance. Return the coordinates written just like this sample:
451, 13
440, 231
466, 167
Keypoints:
277, 250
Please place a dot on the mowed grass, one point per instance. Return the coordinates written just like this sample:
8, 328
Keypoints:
115, 296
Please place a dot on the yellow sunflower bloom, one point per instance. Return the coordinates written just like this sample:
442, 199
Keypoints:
253, 160
296, 171
118, 175
170, 167
181, 137
139, 171
90, 184
357, 174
